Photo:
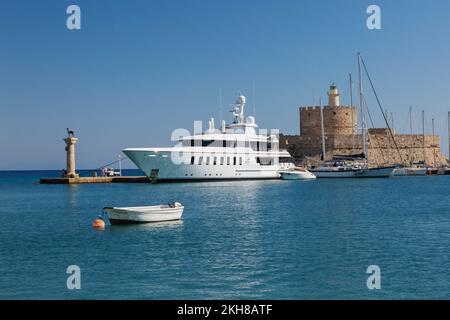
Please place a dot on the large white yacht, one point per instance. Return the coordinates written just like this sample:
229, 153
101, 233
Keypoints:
235, 151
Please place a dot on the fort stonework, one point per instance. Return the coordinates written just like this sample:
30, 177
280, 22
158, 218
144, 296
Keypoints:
342, 138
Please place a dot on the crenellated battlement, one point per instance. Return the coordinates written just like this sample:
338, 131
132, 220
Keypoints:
337, 120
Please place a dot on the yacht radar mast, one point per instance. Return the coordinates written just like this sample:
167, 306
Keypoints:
238, 111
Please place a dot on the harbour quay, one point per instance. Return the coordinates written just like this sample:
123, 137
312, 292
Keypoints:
85, 180
70, 176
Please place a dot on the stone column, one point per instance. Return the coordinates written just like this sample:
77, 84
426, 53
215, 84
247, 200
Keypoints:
70, 151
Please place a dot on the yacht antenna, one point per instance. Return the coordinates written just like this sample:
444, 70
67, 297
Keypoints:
220, 104
254, 100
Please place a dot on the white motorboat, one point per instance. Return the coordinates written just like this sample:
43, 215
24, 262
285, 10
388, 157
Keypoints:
147, 214
297, 174
410, 171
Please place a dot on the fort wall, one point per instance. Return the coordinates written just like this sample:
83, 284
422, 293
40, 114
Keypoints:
342, 138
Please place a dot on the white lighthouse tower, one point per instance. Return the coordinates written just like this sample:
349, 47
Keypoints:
333, 96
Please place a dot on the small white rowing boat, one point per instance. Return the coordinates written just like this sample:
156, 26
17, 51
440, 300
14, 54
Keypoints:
127, 215
296, 174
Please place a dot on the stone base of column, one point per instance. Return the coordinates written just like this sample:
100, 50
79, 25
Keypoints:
72, 175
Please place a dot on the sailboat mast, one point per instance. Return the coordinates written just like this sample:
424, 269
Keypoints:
448, 129
392, 121
411, 135
434, 153
423, 138
120, 164
351, 109
361, 106
323, 129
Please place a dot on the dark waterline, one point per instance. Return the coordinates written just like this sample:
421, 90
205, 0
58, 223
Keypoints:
237, 240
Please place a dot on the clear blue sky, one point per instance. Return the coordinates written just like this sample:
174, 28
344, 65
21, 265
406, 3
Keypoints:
139, 69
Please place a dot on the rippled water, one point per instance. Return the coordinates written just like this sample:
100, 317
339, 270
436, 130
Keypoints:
236, 240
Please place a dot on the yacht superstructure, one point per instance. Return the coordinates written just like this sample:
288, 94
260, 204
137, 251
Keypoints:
235, 151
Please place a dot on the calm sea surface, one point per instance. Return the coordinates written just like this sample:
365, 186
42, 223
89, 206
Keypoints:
236, 240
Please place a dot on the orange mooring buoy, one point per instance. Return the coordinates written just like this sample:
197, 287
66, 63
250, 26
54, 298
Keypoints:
98, 224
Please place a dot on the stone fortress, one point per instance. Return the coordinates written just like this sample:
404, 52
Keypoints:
343, 138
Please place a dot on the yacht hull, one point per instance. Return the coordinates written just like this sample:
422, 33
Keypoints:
382, 172
296, 175
159, 166
357, 173
334, 174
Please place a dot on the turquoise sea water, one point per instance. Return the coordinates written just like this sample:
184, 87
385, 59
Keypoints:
236, 240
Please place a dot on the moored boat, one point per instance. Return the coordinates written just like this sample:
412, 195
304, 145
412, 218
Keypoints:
297, 174
377, 172
144, 214
410, 171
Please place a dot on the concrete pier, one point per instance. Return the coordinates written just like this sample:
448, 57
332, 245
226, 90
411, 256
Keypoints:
70, 176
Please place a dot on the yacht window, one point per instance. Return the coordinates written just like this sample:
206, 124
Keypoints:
265, 161
228, 161
192, 142
240, 161
206, 143
234, 161
215, 161
221, 161
200, 160
224, 143
192, 160
262, 146
207, 160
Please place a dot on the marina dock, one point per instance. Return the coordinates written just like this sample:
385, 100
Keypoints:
84, 180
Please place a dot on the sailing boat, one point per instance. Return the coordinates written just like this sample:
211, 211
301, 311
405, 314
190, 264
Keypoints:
354, 166
338, 167
378, 171
446, 170
433, 170
414, 168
